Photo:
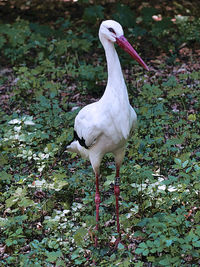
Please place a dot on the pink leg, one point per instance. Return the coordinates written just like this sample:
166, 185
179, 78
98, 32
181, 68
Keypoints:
97, 202
117, 193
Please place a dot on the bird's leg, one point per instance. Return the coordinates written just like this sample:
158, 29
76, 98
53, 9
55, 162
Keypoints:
97, 202
117, 193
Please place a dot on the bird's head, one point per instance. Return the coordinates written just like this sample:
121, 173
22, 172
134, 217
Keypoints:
110, 30
113, 32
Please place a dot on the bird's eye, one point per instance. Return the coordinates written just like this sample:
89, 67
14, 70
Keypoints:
111, 30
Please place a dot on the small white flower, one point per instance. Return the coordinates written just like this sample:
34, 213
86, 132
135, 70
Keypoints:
17, 128
113, 239
66, 211
14, 121
171, 189
162, 187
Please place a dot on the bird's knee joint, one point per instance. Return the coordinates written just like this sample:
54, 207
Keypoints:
97, 199
117, 181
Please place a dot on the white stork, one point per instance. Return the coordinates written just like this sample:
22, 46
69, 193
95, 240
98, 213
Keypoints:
105, 126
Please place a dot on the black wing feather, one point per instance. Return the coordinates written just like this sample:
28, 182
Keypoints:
80, 140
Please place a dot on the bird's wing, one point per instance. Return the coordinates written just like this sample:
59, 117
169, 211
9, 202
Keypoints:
87, 125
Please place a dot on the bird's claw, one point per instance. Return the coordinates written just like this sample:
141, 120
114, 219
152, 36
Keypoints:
117, 242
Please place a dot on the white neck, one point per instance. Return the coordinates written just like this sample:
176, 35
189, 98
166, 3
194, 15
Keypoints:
115, 84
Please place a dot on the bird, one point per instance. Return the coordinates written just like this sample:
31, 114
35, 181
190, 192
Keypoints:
104, 126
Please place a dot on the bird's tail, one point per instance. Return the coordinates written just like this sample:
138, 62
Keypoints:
77, 148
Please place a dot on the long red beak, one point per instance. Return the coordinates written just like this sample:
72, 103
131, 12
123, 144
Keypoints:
124, 44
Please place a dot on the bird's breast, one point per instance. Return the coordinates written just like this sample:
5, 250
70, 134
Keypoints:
107, 144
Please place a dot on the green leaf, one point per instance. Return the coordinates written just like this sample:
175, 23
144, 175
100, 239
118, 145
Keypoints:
26, 202
151, 258
53, 256
139, 250
120, 246
192, 117
60, 263
3, 222
5, 177
177, 161
79, 235
125, 15
93, 12
2, 41
185, 163
165, 262
196, 244
168, 242
11, 201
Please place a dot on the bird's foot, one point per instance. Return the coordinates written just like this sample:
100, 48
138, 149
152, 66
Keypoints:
119, 241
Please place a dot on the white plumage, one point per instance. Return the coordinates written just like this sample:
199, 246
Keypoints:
105, 126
